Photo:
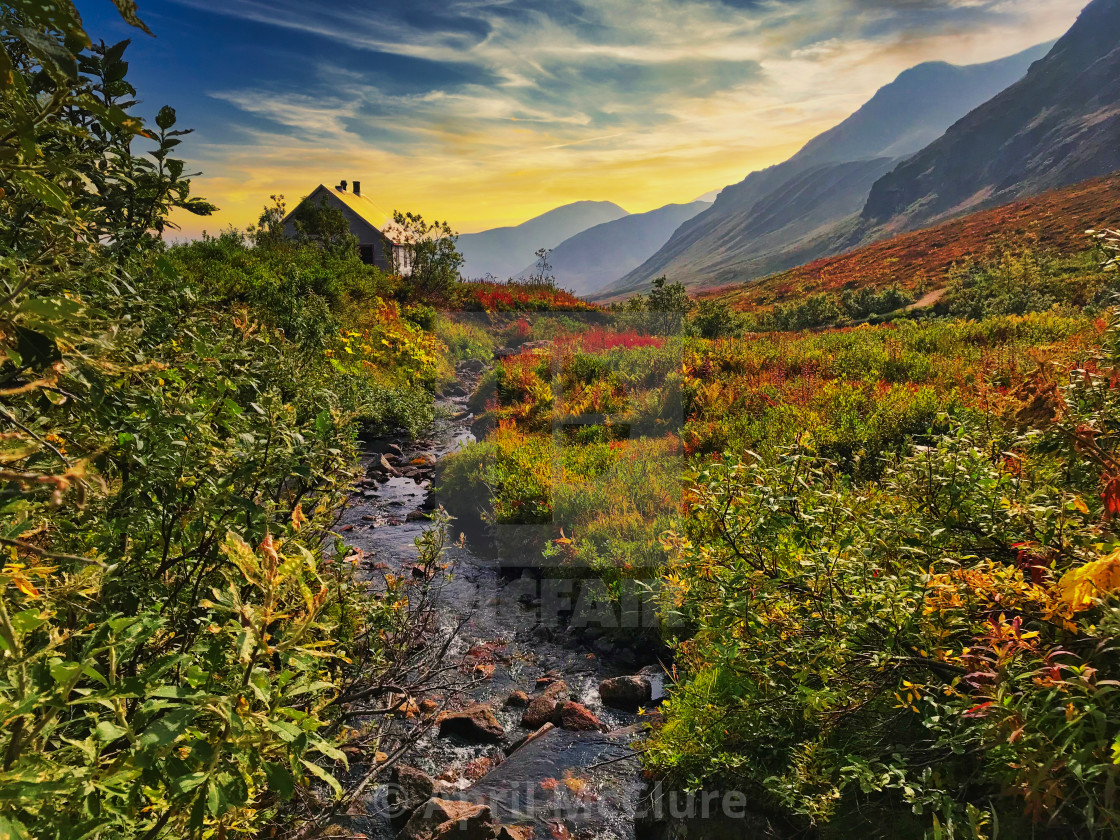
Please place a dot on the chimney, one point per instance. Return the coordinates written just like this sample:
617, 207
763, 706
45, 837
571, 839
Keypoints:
342, 186
357, 188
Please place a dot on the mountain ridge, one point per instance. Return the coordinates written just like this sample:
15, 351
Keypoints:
503, 251
1056, 126
591, 258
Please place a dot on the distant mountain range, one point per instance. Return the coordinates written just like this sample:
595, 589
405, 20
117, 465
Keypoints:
789, 213
591, 259
1058, 125
939, 142
503, 252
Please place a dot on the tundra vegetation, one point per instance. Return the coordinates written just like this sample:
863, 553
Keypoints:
887, 562
882, 537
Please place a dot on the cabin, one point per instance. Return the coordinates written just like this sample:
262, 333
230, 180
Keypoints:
381, 242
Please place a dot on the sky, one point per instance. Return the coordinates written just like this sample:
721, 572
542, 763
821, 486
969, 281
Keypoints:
489, 112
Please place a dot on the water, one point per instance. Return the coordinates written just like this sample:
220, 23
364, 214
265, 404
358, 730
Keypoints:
566, 784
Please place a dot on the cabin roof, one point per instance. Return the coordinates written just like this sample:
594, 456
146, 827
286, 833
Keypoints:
366, 210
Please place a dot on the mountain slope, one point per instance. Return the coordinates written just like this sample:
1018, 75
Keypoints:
1052, 223
586, 262
1058, 125
898, 120
504, 251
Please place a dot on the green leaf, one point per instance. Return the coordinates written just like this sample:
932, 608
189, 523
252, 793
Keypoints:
58, 61
127, 8
316, 770
279, 780
167, 728
108, 732
43, 190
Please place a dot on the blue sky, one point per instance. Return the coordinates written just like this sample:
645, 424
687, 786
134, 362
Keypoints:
487, 112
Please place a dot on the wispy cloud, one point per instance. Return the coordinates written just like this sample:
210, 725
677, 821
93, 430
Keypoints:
503, 108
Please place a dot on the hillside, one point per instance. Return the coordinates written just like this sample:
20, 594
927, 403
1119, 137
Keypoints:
504, 251
1057, 126
726, 242
918, 261
586, 262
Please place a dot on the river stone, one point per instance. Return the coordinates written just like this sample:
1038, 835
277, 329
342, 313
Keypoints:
626, 692
515, 832
576, 717
542, 708
382, 465
476, 723
446, 818
518, 698
411, 788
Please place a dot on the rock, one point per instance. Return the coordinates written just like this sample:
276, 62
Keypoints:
518, 698
476, 723
411, 789
416, 516
472, 365
515, 832
428, 706
437, 819
626, 692
382, 464
394, 449
542, 708
577, 718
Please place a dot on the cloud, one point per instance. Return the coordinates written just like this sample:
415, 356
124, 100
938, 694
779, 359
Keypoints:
501, 108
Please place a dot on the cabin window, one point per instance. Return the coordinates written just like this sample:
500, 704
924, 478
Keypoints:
366, 254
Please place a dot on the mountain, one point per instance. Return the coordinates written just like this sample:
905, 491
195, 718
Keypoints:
504, 251
825, 183
586, 262
1058, 125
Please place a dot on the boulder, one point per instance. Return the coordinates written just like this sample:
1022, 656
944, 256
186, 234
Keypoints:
626, 692
438, 819
475, 723
542, 708
515, 832
576, 717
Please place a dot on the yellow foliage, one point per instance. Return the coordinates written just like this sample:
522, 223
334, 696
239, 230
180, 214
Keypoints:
1080, 587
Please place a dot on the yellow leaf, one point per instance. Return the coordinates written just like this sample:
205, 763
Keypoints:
298, 519
25, 586
1080, 587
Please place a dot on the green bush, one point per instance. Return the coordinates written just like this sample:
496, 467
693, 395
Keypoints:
177, 637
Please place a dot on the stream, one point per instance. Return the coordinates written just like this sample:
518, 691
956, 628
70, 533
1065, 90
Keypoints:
563, 784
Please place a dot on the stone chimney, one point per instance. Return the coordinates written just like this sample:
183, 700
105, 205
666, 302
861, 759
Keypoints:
357, 188
341, 186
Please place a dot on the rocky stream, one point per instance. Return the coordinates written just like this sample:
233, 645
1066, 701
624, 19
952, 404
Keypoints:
532, 749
